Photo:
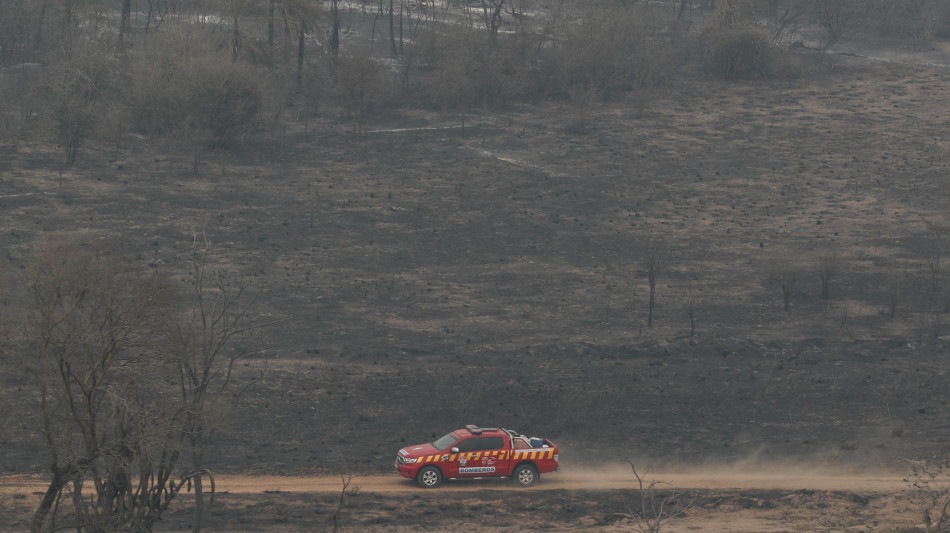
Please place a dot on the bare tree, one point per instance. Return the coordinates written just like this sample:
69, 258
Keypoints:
299, 18
205, 348
936, 320
120, 441
782, 273
96, 333
657, 510
893, 295
654, 261
346, 479
491, 13
691, 315
125, 21
828, 268
934, 253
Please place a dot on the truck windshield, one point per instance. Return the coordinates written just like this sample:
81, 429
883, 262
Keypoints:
444, 442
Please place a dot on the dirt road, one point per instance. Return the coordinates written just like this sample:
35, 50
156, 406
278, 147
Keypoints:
738, 500
618, 477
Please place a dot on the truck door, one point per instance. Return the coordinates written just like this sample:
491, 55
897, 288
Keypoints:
449, 460
466, 457
482, 457
498, 457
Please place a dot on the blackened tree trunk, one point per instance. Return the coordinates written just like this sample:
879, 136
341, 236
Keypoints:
491, 11
335, 32
301, 42
270, 23
125, 20
392, 32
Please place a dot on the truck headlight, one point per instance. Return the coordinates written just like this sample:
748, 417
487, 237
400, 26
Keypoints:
409, 460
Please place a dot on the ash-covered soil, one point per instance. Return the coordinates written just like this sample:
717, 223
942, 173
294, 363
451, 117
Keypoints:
417, 280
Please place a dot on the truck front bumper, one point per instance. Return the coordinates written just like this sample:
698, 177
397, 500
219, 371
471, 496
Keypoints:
405, 470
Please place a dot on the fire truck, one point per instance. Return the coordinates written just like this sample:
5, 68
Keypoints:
477, 452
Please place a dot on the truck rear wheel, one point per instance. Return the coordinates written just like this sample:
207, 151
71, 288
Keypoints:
429, 477
525, 475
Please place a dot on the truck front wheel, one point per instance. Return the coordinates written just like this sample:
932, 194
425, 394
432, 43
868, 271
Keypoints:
429, 477
525, 475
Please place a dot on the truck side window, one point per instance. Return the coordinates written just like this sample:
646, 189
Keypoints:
467, 445
491, 443
476, 444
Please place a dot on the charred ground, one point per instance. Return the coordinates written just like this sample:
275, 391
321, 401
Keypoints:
422, 279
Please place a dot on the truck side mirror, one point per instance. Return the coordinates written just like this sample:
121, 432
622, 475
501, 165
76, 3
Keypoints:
455, 449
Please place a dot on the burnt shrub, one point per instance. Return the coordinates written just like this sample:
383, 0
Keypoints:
225, 100
918, 22
181, 83
745, 52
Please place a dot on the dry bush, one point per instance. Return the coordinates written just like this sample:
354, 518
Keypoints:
918, 20
607, 49
359, 83
836, 16
656, 509
930, 478
74, 94
506, 69
735, 47
452, 78
733, 14
17, 32
461, 67
745, 53
182, 83
48, 31
22, 107
225, 101
590, 53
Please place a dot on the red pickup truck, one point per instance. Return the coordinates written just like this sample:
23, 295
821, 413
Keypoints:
476, 452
